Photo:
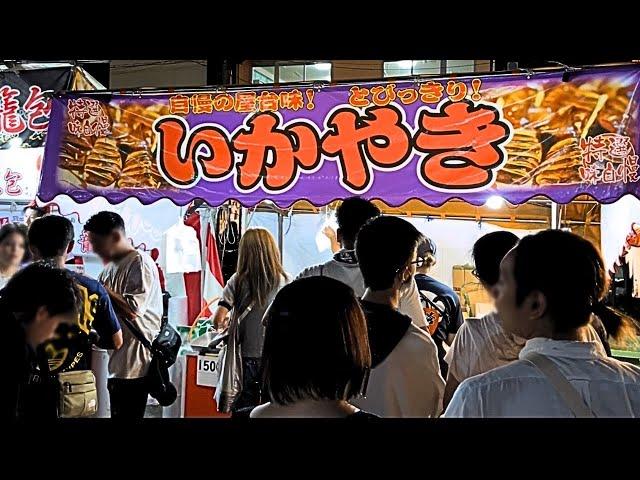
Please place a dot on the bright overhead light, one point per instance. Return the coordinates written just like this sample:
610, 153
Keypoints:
495, 202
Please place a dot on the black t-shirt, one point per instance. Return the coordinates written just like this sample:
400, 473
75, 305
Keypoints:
70, 349
25, 394
16, 359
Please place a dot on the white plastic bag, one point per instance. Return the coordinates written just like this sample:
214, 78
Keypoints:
180, 252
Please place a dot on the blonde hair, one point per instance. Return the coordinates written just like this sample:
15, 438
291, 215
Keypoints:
259, 268
429, 260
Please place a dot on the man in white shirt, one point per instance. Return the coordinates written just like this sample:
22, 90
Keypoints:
351, 215
557, 374
611, 387
405, 378
132, 280
482, 344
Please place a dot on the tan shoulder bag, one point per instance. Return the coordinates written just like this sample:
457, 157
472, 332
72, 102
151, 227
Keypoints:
78, 396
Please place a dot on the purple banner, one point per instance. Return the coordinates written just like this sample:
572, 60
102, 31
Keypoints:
515, 135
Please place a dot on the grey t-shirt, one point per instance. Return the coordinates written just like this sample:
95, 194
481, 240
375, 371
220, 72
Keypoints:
136, 278
349, 274
251, 330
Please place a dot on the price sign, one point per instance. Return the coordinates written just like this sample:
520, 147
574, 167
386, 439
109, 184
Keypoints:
208, 370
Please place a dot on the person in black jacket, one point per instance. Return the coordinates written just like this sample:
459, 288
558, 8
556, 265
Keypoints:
34, 303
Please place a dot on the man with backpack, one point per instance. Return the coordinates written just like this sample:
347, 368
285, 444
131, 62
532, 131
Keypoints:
441, 304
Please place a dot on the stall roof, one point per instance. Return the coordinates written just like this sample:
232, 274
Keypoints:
583, 210
423, 141
33, 65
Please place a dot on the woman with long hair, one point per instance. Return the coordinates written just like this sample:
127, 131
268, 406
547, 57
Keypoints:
559, 372
13, 250
259, 276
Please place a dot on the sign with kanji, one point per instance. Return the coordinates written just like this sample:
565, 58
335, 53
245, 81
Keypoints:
25, 105
433, 139
19, 174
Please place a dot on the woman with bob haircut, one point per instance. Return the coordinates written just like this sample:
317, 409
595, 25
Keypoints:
316, 353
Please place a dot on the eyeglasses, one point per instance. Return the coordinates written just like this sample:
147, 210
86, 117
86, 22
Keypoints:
419, 262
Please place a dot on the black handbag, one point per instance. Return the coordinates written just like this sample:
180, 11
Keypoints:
164, 352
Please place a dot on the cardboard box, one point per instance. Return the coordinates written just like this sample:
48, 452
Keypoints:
457, 275
462, 276
481, 309
473, 294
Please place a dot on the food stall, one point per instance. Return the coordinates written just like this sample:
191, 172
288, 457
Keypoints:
621, 252
24, 116
495, 151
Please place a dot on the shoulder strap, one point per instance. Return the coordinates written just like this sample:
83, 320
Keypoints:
136, 332
245, 312
121, 307
432, 303
568, 393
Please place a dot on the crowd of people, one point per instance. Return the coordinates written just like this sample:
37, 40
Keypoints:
367, 334
56, 315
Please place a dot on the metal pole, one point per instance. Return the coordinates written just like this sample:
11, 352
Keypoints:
554, 216
280, 235
245, 218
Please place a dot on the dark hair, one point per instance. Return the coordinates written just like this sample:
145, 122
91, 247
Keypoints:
320, 352
40, 211
103, 223
384, 245
352, 214
13, 228
41, 284
542, 262
51, 235
488, 252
